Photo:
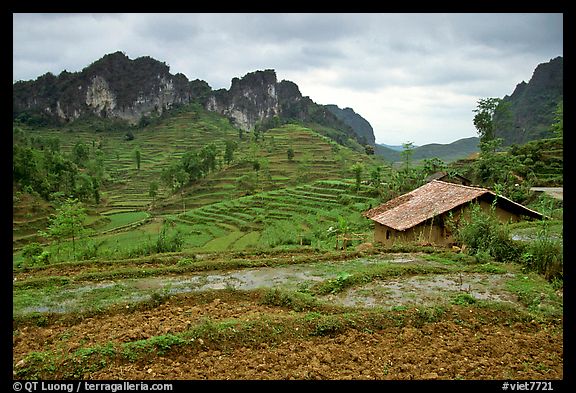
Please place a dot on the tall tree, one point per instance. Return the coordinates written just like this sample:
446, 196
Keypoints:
207, 156
192, 164
484, 118
153, 190
137, 157
558, 126
357, 169
80, 154
407, 153
231, 146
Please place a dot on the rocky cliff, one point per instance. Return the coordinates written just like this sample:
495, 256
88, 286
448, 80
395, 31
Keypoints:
114, 87
258, 98
249, 100
118, 87
531, 107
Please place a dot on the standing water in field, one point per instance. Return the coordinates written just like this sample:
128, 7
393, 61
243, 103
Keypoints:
387, 293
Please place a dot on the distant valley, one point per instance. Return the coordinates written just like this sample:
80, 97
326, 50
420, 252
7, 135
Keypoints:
459, 149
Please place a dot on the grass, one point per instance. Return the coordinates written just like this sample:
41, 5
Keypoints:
123, 219
537, 294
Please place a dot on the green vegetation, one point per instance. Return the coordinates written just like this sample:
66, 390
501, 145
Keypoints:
115, 218
218, 191
533, 106
67, 222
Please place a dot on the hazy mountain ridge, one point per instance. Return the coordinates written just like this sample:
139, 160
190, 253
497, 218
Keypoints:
360, 125
446, 152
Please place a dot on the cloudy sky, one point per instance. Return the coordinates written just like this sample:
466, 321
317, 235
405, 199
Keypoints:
415, 77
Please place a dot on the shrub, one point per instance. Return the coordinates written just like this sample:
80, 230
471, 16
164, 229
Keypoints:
43, 258
31, 250
544, 256
34, 254
464, 299
163, 243
484, 234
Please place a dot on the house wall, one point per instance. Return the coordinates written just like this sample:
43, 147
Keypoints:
423, 233
436, 232
503, 215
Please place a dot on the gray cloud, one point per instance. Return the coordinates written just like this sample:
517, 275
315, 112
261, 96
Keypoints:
413, 72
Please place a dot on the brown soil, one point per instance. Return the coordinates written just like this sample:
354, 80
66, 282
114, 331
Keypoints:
466, 343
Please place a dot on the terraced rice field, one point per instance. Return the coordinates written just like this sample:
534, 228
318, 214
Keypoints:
302, 212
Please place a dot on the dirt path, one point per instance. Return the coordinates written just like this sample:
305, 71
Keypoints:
554, 192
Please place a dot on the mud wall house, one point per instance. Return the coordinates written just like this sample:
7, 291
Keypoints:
423, 215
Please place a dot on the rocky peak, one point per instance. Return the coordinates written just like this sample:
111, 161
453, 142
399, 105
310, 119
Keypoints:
250, 99
113, 86
532, 105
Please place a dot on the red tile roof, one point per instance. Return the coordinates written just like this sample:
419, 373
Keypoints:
432, 199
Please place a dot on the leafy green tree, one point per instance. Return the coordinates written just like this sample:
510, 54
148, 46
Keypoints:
80, 154
95, 189
231, 147
207, 157
558, 126
497, 168
191, 163
95, 165
484, 118
84, 187
433, 165
39, 166
376, 176
25, 164
407, 153
67, 222
153, 190
290, 154
137, 157
175, 176
358, 169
